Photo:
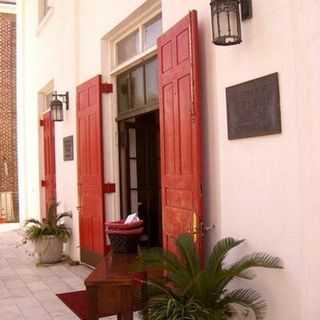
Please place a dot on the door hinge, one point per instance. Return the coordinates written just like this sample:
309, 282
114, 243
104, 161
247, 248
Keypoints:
43, 183
106, 87
41, 123
109, 188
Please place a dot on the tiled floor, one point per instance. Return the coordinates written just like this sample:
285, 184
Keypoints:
28, 291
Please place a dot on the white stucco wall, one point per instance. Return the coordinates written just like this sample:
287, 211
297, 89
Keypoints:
263, 189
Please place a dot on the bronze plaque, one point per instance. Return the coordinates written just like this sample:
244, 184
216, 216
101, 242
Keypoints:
68, 148
253, 108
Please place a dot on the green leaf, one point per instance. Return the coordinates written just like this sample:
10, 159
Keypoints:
36, 230
248, 299
256, 260
191, 292
63, 215
189, 253
32, 221
220, 252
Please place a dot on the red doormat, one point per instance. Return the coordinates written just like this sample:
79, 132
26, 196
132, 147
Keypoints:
78, 302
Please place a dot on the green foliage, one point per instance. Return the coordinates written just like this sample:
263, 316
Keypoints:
190, 291
52, 226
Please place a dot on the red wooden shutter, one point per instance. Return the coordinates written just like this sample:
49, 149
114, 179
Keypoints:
180, 130
90, 171
49, 162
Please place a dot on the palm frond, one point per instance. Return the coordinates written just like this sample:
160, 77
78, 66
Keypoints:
248, 299
240, 268
256, 260
161, 259
219, 253
32, 221
36, 229
157, 258
187, 249
63, 215
190, 292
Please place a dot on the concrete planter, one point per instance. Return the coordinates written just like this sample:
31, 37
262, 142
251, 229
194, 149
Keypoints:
49, 249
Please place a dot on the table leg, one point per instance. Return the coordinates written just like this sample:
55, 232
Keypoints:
93, 303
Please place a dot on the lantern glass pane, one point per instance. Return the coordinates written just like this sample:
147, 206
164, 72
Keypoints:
57, 110
224, 25
60, 114
216, 26
234, 24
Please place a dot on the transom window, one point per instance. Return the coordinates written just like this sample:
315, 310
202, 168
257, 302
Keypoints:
138, 89
139, 40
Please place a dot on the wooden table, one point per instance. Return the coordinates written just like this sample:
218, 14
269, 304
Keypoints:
112, 288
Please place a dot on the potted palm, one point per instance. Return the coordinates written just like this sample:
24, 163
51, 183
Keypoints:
49, 235
186, 290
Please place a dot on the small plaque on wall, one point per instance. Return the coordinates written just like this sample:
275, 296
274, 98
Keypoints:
68, 148
253, 108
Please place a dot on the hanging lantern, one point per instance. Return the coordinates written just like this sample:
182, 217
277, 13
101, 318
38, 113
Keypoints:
226, 23
56, 105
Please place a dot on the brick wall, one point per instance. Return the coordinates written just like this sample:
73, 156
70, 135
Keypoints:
8, 115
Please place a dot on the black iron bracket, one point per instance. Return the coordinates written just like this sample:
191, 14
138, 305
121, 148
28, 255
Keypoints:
246, 9
65, 98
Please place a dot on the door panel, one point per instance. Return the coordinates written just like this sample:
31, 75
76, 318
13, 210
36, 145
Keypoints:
49, 162
180, 132
90, 171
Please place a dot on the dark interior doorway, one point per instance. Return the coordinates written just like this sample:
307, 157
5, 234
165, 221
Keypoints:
140, 173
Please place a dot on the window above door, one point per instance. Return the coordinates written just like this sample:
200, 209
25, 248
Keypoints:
141, 38
137, 89
133, 40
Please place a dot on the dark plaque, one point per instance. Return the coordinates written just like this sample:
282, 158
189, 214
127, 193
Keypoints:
253, 108
68, 148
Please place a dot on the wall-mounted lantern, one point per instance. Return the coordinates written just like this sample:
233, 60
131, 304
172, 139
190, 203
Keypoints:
226, 23
56, 105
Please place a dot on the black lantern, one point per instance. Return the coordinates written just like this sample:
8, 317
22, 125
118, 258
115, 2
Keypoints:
56, 105
226, 23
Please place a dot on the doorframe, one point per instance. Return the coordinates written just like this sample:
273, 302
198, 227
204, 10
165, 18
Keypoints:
144, 13
43, 109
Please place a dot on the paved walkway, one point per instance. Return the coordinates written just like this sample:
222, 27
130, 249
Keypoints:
28, 291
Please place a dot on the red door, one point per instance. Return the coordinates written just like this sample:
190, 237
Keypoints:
180, 131
90, 171
49, 182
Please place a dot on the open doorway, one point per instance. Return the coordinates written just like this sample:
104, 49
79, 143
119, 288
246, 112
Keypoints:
139, 147
140, 173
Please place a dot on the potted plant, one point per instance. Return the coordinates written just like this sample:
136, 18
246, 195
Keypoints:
49, 235
186, 290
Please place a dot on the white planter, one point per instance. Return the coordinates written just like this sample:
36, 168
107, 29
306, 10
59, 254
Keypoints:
49, 249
